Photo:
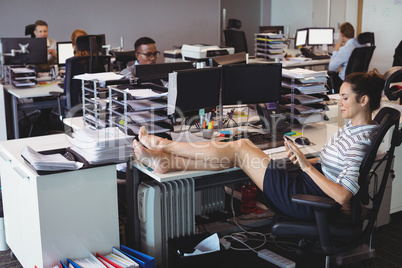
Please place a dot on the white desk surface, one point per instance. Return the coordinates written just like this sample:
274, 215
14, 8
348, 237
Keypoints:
318, 133
34, 91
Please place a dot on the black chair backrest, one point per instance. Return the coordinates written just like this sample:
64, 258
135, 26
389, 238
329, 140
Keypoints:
233, 23
398, 55
123, 57
366, 38
359, 60
29, 30
236, 39
76, 66
385, 118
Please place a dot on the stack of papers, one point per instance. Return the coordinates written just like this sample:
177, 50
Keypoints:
306, 88
102, 146
49, 162
302, 73
146, 94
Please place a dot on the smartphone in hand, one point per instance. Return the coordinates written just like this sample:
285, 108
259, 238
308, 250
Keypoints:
286, 138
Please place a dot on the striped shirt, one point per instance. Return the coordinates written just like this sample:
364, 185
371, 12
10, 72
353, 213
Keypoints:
342, 155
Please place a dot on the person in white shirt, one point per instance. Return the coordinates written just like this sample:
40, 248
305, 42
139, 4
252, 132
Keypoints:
334, 174
341, 54
41, 31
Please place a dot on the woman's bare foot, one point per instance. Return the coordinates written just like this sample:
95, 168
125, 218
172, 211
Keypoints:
150, 141
156, 160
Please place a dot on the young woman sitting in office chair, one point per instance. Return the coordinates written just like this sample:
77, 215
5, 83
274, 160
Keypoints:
333, 174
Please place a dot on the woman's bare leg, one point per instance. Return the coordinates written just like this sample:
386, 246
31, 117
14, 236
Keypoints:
241, 153
162, 162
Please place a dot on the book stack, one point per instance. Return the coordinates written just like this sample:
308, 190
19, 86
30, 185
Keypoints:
270, 45
118, 258
303, 95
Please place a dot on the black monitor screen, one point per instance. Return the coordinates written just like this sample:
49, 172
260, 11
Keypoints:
65, 50
83, 43
198, 89
36, 50
146, 72
320, 36
251, 83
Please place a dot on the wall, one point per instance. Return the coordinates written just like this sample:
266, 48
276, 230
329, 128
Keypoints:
248, 12
292, 14
383, 17
170, 23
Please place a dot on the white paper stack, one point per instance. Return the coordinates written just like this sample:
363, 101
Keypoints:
102, 146
51, 162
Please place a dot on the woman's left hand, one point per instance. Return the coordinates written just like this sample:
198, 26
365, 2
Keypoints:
296, 156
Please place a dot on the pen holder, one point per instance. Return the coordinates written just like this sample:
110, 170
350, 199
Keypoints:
208, 133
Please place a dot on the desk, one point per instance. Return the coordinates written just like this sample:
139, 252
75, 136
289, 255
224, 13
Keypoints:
294, 64
56, 216
206, 179
30, 92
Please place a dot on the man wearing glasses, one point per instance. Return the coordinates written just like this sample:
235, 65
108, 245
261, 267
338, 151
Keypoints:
145, 51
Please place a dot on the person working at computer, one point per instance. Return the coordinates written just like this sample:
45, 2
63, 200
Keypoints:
334, 173
41, 31
341, 54
145, 51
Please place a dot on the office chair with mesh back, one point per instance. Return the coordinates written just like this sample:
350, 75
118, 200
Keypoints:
344, 234
29, 30
235, 38
359, 60
123, 57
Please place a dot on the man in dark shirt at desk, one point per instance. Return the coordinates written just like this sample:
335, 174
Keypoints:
145, 51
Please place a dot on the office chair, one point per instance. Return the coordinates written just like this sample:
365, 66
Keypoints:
72, 95
344, 234
234, 38
398, 55
123, 57
29, 30
359, 60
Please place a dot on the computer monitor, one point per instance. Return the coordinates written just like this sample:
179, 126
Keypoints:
148, 72
251, 83
198, 89
271, 29
301, 37
22, 50
320, 36
65, 50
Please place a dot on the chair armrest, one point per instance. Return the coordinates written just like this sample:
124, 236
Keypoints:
315, 201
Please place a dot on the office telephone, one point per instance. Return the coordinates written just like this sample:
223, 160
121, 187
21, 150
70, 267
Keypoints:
271, 118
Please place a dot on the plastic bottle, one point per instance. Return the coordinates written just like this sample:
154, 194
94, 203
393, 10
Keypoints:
248, 198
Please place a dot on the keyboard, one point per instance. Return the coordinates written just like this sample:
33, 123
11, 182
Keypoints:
261, 140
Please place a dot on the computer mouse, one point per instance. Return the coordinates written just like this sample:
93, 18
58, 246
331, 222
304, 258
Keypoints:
302, 141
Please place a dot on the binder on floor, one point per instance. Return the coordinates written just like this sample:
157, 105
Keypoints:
143, 260
62, 265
